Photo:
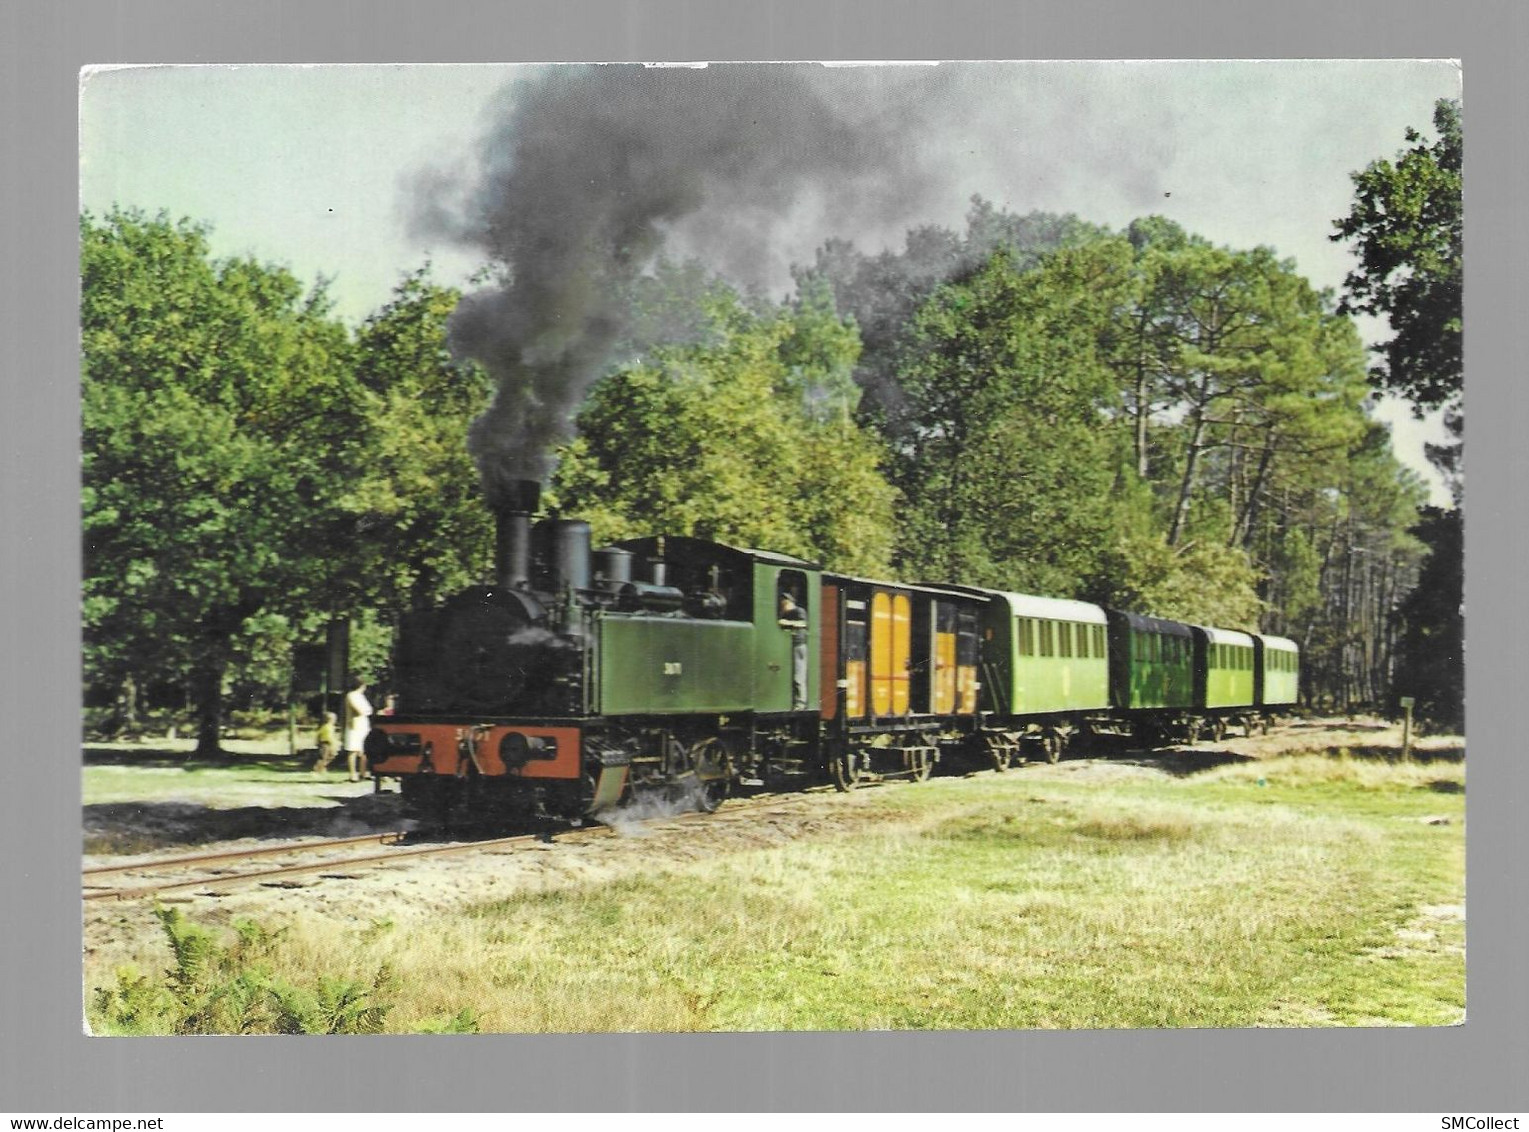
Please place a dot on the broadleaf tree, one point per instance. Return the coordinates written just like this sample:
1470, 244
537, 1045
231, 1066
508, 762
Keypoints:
732, 438
216, 401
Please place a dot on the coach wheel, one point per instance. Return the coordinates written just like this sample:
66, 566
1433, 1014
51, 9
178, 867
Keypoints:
1051, 746
1000, 754
1192, 732
1218, 729
845, 769
920, 764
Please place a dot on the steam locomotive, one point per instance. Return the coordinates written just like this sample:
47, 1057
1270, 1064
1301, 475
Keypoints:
582, 679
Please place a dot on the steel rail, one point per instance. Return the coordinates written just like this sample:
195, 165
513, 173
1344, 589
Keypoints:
738, 810
233, 854
310, 867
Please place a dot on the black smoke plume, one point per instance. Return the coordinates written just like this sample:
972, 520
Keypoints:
582, 178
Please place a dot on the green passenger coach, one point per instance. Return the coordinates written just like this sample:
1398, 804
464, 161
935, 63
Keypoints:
1223, 668
1278, 671
1045, 667
1151, 663
1048, 654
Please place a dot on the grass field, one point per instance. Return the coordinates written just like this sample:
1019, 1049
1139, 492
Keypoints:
1302, 891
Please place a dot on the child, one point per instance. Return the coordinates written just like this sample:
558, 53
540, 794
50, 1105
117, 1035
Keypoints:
325, 737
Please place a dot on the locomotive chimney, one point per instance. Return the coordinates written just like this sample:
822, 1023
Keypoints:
512, 533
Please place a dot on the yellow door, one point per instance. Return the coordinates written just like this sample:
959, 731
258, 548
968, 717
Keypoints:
881, 654
891, 644
944, 673
902, 641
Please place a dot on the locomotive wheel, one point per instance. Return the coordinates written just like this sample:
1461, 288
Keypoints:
844, 766
712, 794
714, 773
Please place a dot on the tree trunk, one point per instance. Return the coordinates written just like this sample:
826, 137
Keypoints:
1186, 485
207, 690
125, 718
1242, 531
1141, 419
219, 625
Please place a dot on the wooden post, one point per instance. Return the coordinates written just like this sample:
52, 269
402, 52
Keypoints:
1407, 702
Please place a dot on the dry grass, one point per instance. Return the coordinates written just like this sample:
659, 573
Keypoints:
1288, 892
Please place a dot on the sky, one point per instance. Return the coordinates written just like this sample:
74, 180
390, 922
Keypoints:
318, 168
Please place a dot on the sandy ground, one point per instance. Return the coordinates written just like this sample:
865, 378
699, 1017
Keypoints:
191, 812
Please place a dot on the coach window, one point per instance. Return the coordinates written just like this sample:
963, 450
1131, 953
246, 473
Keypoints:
1047, 647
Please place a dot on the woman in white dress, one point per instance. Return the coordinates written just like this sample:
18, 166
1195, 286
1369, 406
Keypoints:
358, 711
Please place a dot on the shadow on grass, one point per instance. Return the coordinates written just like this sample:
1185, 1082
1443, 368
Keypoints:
1183, 763
140, 757
141, 827
1329, 724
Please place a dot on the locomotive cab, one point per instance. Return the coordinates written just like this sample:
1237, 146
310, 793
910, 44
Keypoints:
781, 673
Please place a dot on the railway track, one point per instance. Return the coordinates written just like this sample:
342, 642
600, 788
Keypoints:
213, 872
132, 880
140, 880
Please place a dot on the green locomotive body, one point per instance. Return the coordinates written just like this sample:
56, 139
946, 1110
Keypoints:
744, 661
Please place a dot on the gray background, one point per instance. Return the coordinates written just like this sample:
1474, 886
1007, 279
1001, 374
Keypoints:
46, 1065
